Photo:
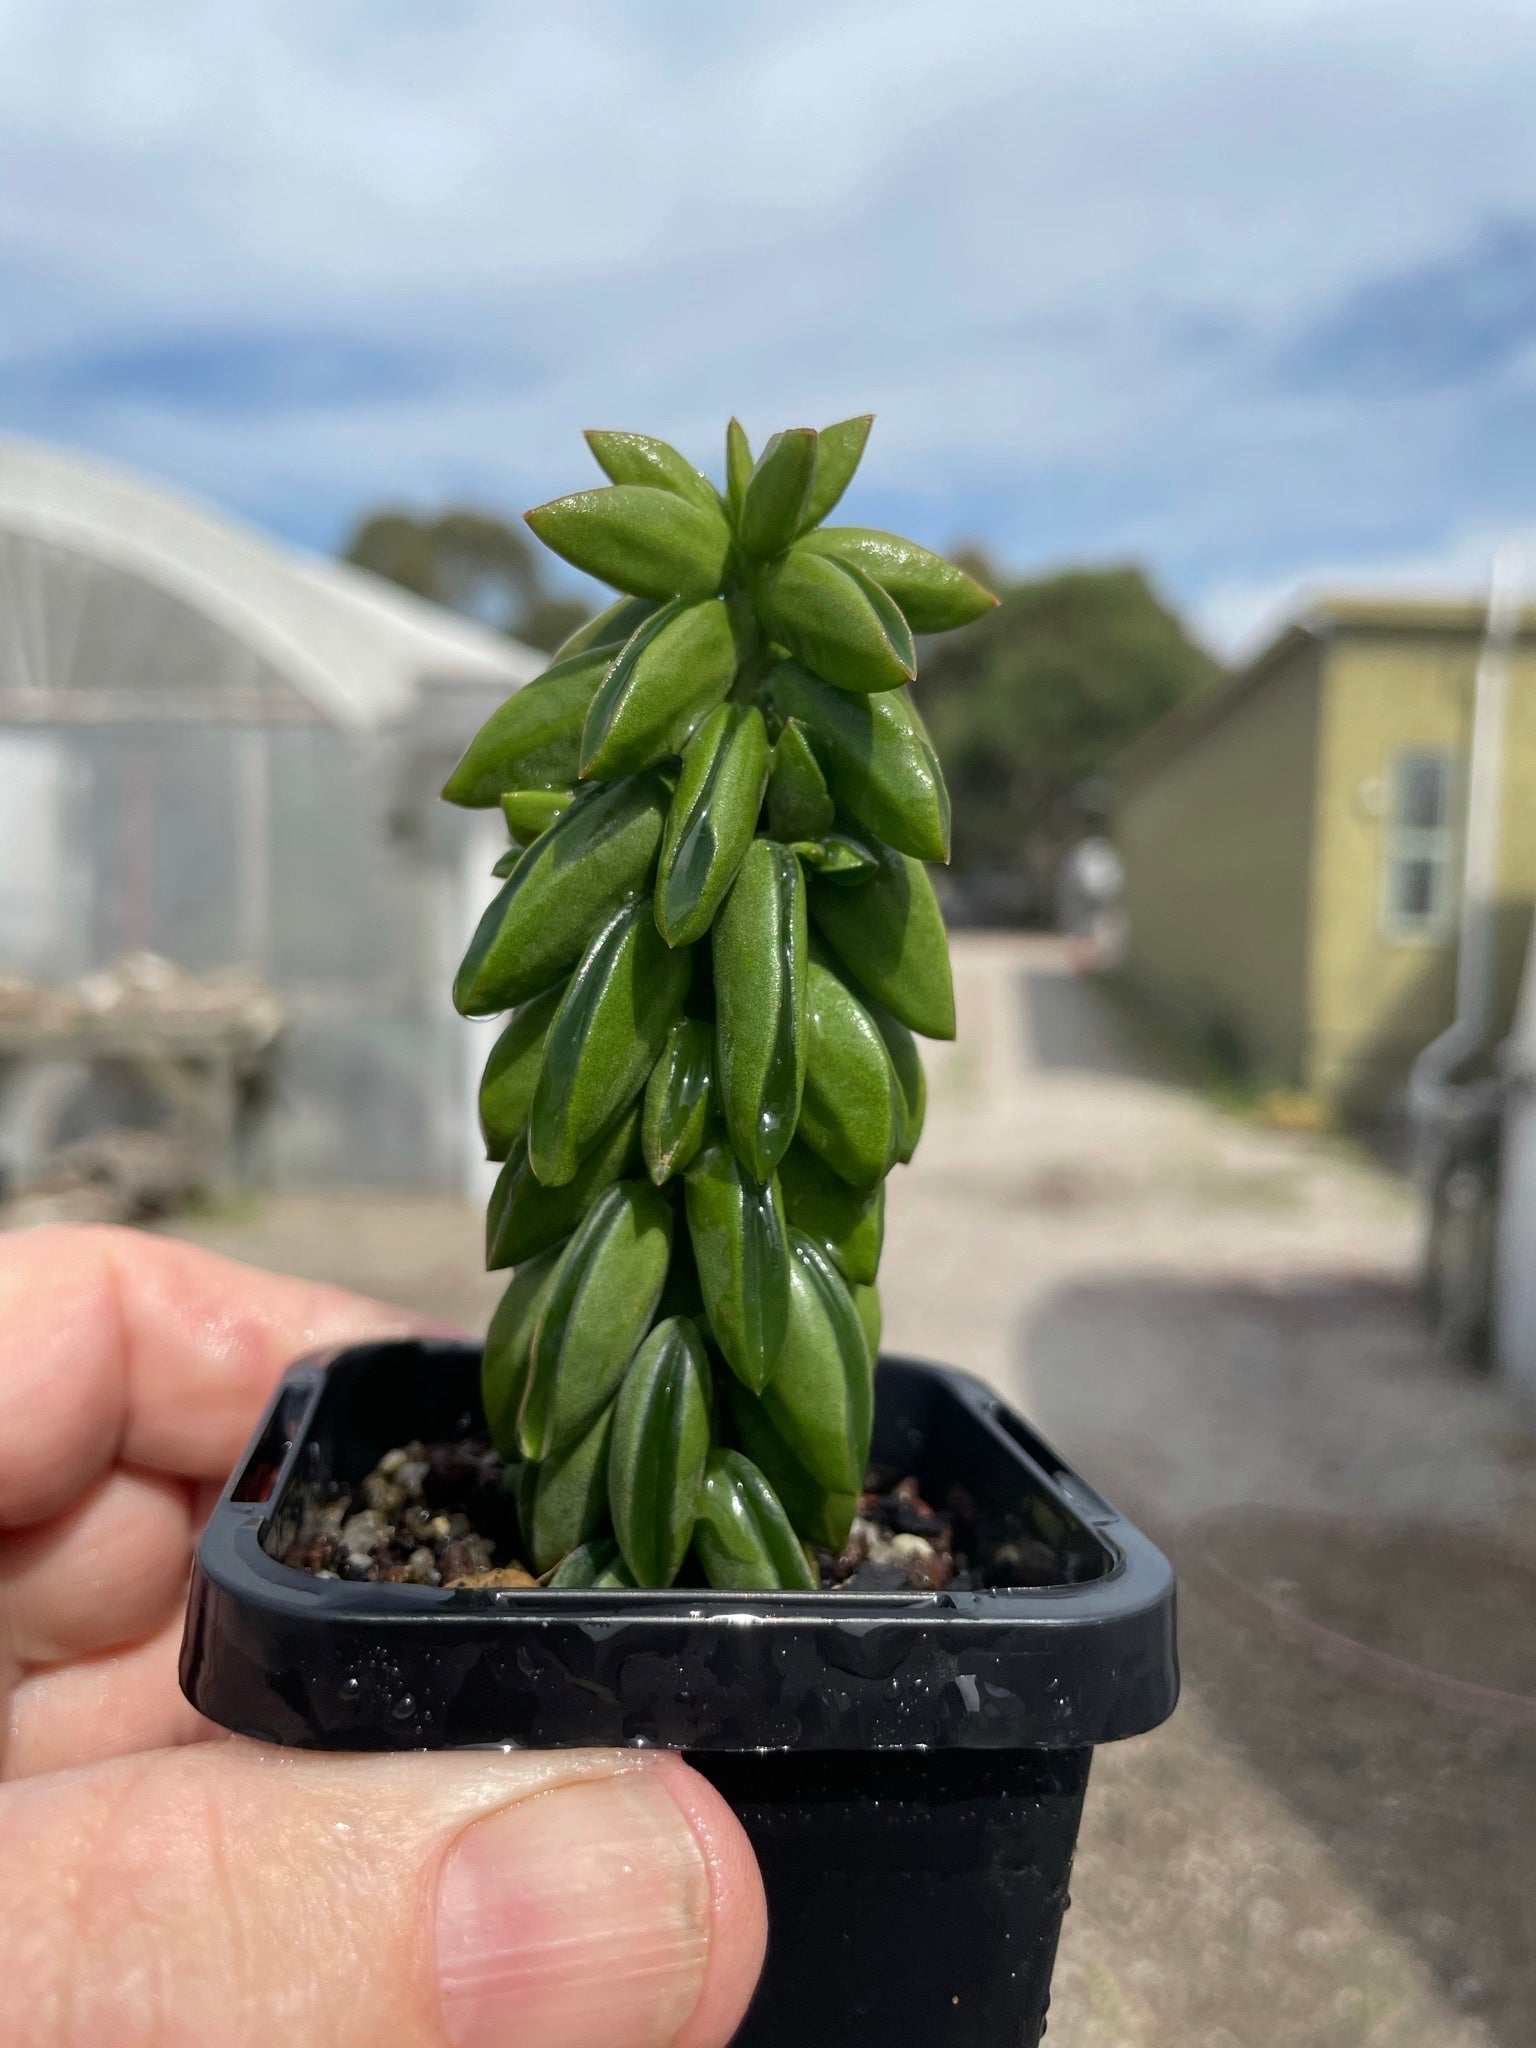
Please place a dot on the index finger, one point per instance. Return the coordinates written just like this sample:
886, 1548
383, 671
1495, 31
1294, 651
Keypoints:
116, 1345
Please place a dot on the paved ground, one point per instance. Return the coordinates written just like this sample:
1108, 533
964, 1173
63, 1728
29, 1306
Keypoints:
1330, 1845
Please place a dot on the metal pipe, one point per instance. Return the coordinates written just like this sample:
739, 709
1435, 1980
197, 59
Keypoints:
1429, 1089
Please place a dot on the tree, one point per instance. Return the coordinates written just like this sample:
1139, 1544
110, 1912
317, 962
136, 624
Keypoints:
470, 562
1028, 705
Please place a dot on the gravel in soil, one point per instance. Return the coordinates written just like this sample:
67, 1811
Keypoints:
439, 1514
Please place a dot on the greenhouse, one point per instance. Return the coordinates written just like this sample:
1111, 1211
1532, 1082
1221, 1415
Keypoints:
225, 754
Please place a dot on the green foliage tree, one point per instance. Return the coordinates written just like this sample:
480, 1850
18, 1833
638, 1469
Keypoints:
1028, 703
715, 937
471, 562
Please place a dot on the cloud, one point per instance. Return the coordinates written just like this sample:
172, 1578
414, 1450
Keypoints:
1457, 319
1232, 289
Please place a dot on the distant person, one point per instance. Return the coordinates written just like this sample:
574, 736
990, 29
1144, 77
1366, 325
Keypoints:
1089, 907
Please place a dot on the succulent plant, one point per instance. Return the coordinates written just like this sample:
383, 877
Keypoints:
715, 935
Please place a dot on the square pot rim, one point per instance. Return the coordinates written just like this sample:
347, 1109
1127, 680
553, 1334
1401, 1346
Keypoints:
1115, 1629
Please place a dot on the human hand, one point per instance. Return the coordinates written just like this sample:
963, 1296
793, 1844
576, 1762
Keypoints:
164, 1885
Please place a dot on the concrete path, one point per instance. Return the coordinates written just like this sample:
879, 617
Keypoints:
1330, 1846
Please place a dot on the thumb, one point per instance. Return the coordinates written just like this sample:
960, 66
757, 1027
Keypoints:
230, 1895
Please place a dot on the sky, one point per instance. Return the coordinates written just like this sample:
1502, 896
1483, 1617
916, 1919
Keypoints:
1244, 290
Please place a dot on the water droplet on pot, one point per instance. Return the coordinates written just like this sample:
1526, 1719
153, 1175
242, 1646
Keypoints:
350, 1688
404, 1707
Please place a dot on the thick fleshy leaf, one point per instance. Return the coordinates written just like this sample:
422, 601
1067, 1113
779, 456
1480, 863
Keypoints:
533, 741
512, 1072
818, 1515
642, 459
570, 881
799, 803
570, 1495
889, 935
759, 948
508, 1343
741, 1251
666, 680
738, 465
837, 621
821, 1397
838, 857
599, 1306
877, 758
609, 628
933, 594
657, 1451
774, 502
851, 1112
848, 1223
838, 451
743, 1536
866, 1302
677, 1099
529, 812
711, 821
524, 1217
649, 542
907, 1064
604, 1039
586, 1565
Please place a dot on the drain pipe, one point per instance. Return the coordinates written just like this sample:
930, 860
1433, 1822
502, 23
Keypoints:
1430, 1093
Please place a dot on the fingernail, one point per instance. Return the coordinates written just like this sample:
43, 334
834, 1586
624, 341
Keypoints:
576, 1919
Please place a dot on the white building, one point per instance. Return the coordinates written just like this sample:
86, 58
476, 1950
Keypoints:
229, 752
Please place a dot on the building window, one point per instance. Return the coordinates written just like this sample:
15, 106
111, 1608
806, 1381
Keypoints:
1420, 848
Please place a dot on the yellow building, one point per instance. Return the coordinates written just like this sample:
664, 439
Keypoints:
1292, 846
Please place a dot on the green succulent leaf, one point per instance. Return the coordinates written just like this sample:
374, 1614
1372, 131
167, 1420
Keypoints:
587, 1565
933, 594
598, 1308
848, 1223
839, 449
759, 948
533, 741
743, 1536
529, 812
907, 1065
821, 1396
818, 1515
774, 501
642, 459
838, 857
512, 1072
649, 542
677, 1100
741, 1250
711, 821
866, 1302
852, 1113
570, 1495
799, 803
877, 758
524, 1217
837, 621
657, 1451
889, 935
609, 628
508, 1342
668, 678
604, 1039
570, 880
738, 465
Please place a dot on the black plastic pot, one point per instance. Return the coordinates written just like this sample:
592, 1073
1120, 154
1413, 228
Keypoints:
910, 1766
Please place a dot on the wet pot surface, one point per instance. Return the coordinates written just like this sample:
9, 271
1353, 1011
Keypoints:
910, 1766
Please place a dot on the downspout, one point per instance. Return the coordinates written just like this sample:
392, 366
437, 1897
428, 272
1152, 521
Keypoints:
1430, 1092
